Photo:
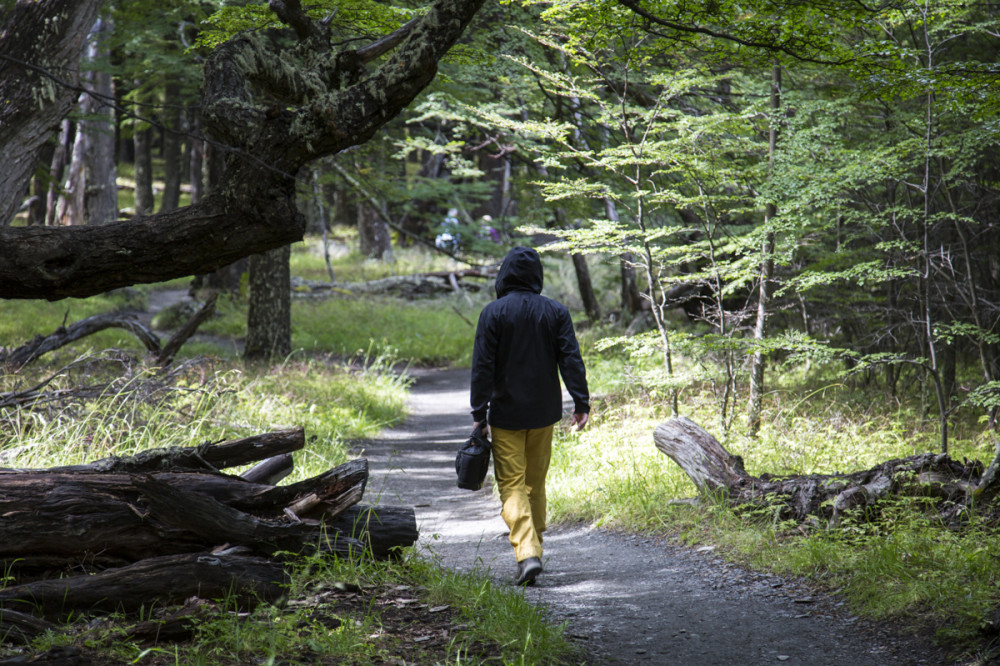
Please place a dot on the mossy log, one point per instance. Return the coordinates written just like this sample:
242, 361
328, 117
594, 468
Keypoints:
949, 484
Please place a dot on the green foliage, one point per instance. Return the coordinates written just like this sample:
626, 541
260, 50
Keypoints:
345, 17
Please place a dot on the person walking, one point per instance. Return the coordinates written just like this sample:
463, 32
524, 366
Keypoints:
524, 342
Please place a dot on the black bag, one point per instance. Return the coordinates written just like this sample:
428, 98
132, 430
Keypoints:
473, 461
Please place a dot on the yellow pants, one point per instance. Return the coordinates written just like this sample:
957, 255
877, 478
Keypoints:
520, 463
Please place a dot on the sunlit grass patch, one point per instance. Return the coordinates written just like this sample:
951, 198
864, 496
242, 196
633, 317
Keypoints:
334, 402
424, 333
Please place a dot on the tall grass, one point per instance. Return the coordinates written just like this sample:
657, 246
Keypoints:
335, 403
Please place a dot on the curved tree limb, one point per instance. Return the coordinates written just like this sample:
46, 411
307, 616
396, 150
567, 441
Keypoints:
276, 114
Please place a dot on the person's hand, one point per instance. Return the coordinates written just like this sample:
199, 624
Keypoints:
579, 420
485, 426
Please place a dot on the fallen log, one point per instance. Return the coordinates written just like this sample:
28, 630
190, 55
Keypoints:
208, 456
144, 536
111, 519
383, 530
716, 472
270, 471
166, 355
169, 579
18, 627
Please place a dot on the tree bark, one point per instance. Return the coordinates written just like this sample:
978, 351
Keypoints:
766, 273
167, 579
40, 345
269, 317
39, 69
53, 519
373, 232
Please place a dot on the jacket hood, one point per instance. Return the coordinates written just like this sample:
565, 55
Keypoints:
521, 271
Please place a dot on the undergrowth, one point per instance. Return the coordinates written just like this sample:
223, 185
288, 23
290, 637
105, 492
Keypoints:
906, 567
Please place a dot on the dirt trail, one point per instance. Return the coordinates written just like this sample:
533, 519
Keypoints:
628, 600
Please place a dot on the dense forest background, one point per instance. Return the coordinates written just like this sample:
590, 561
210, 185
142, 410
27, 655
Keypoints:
780, 219
806, 181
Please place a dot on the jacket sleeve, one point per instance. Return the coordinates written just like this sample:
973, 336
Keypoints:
574, 374
483, 366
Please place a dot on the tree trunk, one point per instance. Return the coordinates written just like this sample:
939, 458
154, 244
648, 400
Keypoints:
590, 304
143, 141
100, 202
373, 233
168, 579
631, 300
171, 146
269, 318
56, 174
70, 207
766, 273
38, 209
196, 152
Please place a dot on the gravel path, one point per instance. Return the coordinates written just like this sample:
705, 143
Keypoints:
628, 600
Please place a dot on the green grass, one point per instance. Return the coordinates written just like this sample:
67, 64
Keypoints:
907, 567
335, 403
422, 333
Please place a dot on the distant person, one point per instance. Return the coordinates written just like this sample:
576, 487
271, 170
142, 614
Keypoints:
449, 238
524, 341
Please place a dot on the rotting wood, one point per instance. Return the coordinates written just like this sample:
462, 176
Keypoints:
950, 485
21, 628
145, 536
208, 456
110, 519
384, 530
168, 579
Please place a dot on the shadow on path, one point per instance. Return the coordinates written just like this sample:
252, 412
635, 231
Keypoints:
627, 600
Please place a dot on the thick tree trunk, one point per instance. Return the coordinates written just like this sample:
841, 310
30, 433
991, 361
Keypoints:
269, 317
168, 579
196, 154
949, 485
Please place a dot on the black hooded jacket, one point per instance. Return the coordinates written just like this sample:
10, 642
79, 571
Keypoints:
523, 342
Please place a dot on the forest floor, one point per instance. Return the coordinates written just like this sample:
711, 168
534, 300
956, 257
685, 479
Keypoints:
626, 599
